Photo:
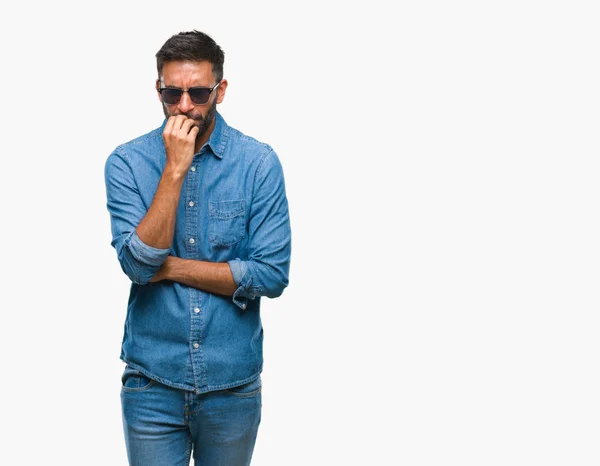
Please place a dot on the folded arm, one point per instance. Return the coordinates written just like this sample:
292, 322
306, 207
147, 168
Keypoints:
266, 269
214, 277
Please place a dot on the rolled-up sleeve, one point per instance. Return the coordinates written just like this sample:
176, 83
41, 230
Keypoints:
138, 260
266, 271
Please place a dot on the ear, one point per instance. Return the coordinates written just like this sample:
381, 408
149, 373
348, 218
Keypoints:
157, 88
221, 91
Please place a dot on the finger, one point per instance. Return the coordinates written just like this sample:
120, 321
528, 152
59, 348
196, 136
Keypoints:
169, 125
179, 121
176, 122
194, 132
187, 125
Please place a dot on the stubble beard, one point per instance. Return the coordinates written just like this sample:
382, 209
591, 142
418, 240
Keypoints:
201, 122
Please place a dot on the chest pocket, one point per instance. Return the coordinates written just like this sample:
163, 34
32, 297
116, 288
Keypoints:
226, 222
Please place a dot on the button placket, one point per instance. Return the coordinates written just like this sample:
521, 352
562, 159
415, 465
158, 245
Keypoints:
192, 240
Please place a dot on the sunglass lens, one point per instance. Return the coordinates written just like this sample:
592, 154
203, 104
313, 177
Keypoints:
199, 95
171, 96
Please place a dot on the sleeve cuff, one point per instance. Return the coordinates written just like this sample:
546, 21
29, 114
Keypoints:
243, 278
144, 253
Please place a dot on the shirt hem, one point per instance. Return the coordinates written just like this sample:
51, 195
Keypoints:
189, 388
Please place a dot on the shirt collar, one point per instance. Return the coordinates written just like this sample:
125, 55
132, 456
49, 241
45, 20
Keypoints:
218, 138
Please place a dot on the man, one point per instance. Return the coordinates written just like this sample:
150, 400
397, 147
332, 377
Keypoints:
200, 225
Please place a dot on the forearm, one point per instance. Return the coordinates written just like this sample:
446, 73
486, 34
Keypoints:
158, 225
214, 277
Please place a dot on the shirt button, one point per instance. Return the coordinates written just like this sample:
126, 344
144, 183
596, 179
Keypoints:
193, 169
191, 204
196, 345
192, 241
197, 310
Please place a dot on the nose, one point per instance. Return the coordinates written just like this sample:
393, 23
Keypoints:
185, 103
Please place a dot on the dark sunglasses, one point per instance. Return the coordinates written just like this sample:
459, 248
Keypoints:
198, 95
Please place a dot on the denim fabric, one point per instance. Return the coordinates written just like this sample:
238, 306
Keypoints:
233, 209
164, 425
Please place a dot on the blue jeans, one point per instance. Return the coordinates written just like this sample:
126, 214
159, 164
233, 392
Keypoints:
164, 425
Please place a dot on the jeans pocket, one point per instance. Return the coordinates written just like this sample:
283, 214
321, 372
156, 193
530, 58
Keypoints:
227, 222
247, 390
134, 381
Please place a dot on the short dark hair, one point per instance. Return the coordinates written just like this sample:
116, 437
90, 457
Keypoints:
191, 46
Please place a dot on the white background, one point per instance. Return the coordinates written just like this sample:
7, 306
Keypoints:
441, 161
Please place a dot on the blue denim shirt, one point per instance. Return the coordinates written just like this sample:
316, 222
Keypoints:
233, 209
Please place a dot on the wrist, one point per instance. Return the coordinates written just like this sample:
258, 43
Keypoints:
174, 173
168, 268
